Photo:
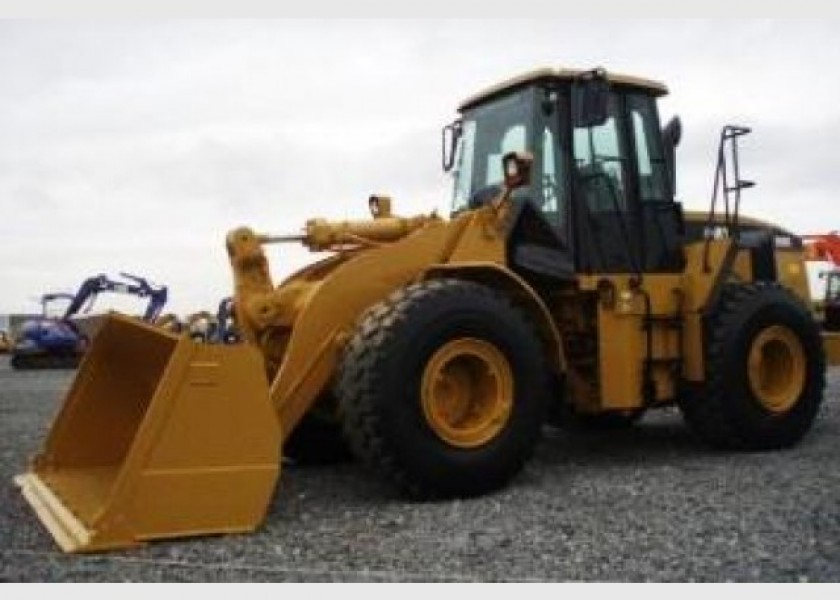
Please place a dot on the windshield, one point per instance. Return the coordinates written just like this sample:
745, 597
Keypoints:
489, 132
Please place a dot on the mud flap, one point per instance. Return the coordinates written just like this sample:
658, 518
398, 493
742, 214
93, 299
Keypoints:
158, 437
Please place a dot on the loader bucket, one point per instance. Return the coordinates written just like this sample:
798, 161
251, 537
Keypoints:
158, 437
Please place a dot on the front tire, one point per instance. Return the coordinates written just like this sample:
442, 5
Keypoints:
765, 371
442, 389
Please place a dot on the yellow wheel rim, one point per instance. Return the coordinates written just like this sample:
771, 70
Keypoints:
467, 392
777, 368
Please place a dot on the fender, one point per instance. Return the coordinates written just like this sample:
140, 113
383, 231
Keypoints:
498, 276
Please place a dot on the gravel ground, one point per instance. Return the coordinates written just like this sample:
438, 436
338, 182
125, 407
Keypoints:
644, 505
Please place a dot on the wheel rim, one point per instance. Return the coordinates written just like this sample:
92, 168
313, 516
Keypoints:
777, 367
467, 392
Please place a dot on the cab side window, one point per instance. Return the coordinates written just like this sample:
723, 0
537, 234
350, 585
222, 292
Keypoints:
600, 151
552, 203
651, 166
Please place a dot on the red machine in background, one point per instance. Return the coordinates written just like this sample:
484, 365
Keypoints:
826, 247
823, 246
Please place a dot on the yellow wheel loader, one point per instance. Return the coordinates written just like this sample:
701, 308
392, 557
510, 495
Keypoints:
566, 284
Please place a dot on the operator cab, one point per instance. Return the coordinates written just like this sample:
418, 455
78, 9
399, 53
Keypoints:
601, 196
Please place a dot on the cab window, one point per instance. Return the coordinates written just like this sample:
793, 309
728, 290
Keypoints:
650, 160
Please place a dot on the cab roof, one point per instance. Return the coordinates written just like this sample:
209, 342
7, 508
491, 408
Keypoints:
561, 75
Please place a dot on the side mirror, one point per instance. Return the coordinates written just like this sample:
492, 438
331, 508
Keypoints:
671, 136
517, 169
672, 132
449, 142
380, 206
593, 95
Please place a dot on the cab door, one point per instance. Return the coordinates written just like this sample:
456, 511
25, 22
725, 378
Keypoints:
607, 239
625, 217
662, 229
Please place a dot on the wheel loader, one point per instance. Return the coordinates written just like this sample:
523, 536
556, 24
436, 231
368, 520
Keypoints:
567, 283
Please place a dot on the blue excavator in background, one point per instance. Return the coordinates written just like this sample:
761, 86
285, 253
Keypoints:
52, 342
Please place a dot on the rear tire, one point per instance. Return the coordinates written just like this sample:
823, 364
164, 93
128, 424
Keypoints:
765, 371
442, 389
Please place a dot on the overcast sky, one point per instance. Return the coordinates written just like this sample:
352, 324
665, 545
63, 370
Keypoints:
137, 146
